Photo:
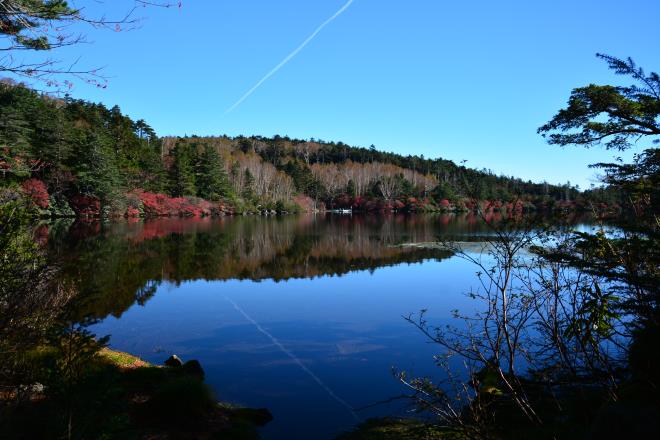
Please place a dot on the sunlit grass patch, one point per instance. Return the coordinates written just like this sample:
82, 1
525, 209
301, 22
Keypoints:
122, 360
397, 428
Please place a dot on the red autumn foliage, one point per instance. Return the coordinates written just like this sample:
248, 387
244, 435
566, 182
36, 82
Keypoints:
413, 204
358, 202
157, 228
132, 212
161, 205
37, 191
86, 206
394, 205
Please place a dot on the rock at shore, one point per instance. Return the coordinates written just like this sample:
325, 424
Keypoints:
174, 361
194, 368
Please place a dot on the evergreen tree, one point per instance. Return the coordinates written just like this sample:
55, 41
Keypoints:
301, 175
211, 177
616, 117
406, 188
181, 175
147, 168
350, 188
628, 260
15, 132
50, 143
96, 171
153, 175
245, 145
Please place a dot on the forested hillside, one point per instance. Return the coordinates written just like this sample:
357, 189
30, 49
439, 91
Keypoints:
75, 157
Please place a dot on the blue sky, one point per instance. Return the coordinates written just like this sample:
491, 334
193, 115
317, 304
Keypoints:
462, 80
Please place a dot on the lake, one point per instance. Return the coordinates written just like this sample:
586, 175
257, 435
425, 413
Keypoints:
302, 315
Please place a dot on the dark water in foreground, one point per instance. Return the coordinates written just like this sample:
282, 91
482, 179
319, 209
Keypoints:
301, 315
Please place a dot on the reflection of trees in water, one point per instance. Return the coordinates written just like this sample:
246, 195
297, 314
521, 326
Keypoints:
118, 264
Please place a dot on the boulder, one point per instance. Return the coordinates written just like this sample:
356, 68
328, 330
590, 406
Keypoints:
173, 361
193, 368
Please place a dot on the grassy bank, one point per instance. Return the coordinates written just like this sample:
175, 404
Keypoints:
121, 396
399, 428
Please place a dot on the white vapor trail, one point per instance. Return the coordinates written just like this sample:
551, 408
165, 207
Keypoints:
296, 360
290, 56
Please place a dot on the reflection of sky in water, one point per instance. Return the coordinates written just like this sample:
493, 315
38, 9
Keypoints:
310, 348
347, 331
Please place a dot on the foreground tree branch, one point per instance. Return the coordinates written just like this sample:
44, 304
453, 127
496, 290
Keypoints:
618, 116
37, 28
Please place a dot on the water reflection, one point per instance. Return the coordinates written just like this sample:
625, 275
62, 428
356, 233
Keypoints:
118, 264
298, 314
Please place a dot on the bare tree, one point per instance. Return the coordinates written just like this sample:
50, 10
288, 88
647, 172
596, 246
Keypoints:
388, 187
330, 176
543, 329
493, 339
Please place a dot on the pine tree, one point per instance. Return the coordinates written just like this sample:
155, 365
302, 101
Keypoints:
350, 188
181, 175
50, 143
211, 177
153, 176
15, 131
96, 170
151, 173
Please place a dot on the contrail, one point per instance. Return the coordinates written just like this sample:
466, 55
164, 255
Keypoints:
296, 360
290, 56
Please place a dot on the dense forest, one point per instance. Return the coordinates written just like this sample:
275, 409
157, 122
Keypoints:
73, 157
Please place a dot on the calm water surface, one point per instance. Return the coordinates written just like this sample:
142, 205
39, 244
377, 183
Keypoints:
301, 315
